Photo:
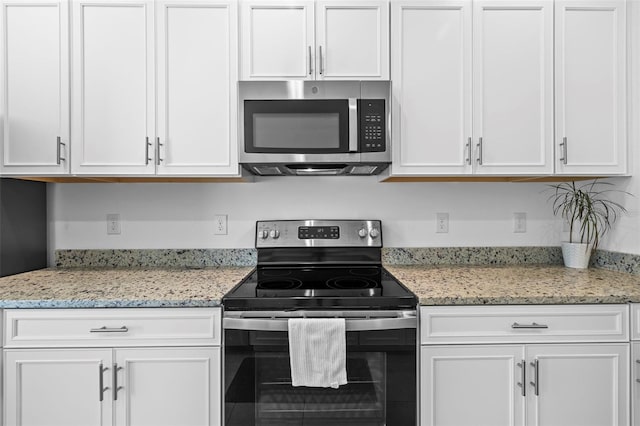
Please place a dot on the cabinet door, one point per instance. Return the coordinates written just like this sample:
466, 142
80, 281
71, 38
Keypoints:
57, 387
34, 93
113, 87
590, 87
431, 71
168, 387
635, 383
197, 78
578, 385
277, 39
352, 39
471, 385
513, 86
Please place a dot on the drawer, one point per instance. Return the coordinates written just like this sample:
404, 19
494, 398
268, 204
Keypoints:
524, 324
635, 321
112, 327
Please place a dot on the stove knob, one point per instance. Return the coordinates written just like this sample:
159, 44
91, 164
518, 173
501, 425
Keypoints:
263, 234
374, 233
274, 234
362, 232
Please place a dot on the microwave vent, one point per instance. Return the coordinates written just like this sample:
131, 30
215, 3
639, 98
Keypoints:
364, 169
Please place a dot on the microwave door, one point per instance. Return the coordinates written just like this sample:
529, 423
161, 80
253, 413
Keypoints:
300, 126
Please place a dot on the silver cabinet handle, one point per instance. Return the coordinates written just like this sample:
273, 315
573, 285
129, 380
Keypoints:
59, 145
146, 151
532, 325
638, 362
102, 388
105, 329
536, 371
321, 67
310, 59
523, 377
468, 146
564, 150
479, 151
116, 388
158, 145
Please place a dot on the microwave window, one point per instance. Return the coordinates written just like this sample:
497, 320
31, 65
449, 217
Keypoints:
296, 130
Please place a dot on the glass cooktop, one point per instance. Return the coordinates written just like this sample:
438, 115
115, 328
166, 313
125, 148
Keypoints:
321, 287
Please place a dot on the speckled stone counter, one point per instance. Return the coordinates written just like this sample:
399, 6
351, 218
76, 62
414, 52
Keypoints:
500, 285
98, 288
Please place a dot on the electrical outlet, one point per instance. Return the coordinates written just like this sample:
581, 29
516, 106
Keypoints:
220, 224
113, 224
520, 222
442, 223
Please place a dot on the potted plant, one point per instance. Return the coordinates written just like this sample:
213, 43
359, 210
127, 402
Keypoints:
589, 213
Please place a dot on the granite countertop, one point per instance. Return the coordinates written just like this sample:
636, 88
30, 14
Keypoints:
499, 285
99, 288
434, 285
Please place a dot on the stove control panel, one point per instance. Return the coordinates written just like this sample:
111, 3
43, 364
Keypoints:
318, 233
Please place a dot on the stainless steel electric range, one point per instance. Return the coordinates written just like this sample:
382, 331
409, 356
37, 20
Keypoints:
320, 268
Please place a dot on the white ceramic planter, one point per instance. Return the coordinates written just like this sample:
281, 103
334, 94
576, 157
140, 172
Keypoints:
576, 255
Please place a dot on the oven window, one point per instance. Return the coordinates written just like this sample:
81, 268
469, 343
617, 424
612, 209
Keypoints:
381, 378
296, 126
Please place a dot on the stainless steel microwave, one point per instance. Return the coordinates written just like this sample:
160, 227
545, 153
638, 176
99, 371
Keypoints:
314, 127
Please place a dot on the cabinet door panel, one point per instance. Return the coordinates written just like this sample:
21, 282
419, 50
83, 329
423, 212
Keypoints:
579, 385
354, 39
471, 385
56, 387
35, 87
277, 40
590, 87
513, 86
431, 69
113, 87
168, 387
197, 77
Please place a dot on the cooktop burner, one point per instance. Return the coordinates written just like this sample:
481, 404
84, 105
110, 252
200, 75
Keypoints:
315, 264
317, 281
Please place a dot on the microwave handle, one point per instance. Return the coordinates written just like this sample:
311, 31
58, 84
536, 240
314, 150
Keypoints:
353, 125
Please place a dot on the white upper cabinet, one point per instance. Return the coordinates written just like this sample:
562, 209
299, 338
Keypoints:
431, 71
352, 40
302, 39
591, 87
513, 86
113, 87
197, 77
508, 126
34, 93
277, 39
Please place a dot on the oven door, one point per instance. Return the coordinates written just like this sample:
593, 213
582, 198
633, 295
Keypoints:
381, 372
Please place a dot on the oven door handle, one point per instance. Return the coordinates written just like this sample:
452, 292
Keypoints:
281, 324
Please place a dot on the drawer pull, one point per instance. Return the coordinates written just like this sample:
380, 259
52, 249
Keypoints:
105, 329
532, 325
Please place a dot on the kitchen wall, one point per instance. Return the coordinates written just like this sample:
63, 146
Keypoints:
181, 215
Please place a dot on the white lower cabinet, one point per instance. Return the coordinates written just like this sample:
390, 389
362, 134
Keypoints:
57, 387
535, 371
50, 379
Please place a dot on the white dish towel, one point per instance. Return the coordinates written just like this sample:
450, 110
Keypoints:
318, 352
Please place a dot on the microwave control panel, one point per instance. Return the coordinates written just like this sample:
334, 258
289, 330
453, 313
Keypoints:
372, 135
